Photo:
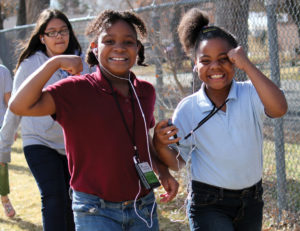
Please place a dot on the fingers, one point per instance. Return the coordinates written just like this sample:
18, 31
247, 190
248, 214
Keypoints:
71, 63
163, 132
171, 190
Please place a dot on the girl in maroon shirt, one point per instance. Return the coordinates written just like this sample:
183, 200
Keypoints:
114, 49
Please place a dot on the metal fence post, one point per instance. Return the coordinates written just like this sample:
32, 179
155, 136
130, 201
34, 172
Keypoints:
278, 123
158, 67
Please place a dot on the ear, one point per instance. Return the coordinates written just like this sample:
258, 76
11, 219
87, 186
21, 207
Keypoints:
195, 65
94, 48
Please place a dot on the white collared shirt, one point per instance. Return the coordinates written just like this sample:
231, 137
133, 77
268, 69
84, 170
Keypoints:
228, 147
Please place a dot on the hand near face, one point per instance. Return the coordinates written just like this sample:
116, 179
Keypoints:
238, 57
70, 63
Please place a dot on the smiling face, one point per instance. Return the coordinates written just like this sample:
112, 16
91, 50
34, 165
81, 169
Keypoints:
56, 45
118, 48
213, 65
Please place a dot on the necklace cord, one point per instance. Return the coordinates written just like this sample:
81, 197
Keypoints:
206, 118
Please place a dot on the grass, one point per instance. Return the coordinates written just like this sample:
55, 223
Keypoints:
24, 195
26, 199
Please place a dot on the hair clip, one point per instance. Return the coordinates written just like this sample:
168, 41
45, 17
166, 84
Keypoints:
208, 29
93, 45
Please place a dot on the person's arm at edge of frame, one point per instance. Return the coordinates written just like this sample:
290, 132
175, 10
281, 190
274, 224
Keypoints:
30, 100
6, 99
169, 183
271, 96
161, 141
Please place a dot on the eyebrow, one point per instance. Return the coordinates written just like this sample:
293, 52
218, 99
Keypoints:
53, 28
207, 56
129, 35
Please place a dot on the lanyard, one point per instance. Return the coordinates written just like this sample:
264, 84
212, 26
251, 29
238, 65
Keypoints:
212, 112
131, 135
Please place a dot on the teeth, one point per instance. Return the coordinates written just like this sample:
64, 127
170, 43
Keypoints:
118, 59
216, 76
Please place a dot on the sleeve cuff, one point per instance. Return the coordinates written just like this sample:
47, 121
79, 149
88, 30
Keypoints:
5, 157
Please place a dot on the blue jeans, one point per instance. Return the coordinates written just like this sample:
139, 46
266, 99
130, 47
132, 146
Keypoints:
93, 213
50, 170
216, 209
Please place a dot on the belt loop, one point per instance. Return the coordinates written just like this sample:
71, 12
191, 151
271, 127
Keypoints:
221, 194
102, 204
141, 203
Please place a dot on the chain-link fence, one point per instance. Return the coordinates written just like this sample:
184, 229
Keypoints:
269, 30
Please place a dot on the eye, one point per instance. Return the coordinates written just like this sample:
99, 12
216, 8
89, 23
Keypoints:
52, 33
223, 60
108, 42
130, 42
204, 61
64, 32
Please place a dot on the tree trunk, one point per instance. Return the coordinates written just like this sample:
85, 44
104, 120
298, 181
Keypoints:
21, 18
1, 19
232, 15
34, 8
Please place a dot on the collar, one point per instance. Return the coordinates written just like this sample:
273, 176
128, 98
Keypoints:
205, 102
104, 85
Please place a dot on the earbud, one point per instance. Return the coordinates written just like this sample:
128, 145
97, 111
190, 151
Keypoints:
195, 69
95, 51
43, 41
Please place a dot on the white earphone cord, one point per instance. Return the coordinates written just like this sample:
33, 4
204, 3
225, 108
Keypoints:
148, 149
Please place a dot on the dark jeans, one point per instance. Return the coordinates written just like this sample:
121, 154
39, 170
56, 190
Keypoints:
216, 209
50, 170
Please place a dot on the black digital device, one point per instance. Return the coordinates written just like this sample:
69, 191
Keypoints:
170, 124
146, 174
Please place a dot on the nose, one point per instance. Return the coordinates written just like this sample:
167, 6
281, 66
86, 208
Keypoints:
119, 47
215, 64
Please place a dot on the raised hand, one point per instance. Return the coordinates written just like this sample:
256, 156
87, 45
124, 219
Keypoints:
70, 63
239, 58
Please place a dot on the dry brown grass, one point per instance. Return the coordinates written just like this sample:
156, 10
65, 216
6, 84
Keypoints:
26, 200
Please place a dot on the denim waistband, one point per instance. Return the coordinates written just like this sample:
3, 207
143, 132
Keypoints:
254, 189
146, 200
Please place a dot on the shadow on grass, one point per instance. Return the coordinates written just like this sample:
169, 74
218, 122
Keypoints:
17, 150
289, 216
172, 215
20, 169
24, 225
292, 195
166, 224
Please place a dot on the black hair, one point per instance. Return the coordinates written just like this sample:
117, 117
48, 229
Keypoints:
193, 29
104, 20
34, 44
